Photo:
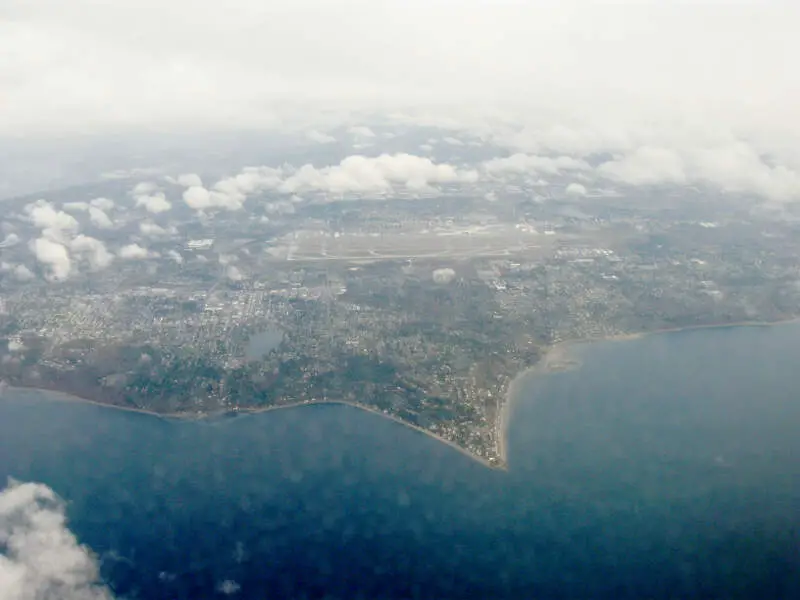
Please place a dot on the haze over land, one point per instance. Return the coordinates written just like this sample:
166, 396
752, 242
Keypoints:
680, 92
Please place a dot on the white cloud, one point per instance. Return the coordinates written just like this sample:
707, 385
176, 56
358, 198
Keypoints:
152, 230
319, 137
229, 587
281, 207
197, 197
143, 188
230, 193
40, 559
19, 272
76, 206
15, 346
176, 256
570, 78
12, 239
362, 174
361, 131
54, 223
190, 180
738, 168
99, 218
529, 163
133, 173
233, 273
104, 204
646, 165
135, 252
443, 275
147, 195
733, 166
23, 273
540, 134
93, 251
250, 180
125, 68
576, 189
54, 256
59, 237
155, 203
355, 174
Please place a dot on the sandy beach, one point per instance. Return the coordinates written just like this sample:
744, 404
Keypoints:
555, 359
558, 357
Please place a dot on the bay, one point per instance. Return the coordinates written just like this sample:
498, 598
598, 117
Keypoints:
663, 467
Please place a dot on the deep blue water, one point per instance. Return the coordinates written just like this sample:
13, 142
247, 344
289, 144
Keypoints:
665, 467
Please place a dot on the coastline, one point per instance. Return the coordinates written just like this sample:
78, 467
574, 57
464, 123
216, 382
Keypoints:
67, 397
634, 336
557, 358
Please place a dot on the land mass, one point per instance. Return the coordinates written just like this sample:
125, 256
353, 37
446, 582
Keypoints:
555, 358
410, 311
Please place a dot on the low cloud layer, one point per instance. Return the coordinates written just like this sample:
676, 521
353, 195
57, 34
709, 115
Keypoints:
135, 252
445, 275
189, 180
84, 66
153, 230
354, 175
576, 189
60, 249
75, 207
733, 167
54, 256
520, 163
23, 273
11, 240
649, 88
104, 204
55, 224
155, 202
717, 161
93, 251
367, 174
199, 198
99, 218
319, 137
567, 159
40, 559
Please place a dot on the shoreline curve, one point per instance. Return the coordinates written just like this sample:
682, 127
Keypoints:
60, 396
557, 358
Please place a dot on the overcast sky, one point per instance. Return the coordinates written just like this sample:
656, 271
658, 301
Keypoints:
667, 92
103, 65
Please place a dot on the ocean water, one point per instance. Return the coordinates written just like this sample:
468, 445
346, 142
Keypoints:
663, 467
